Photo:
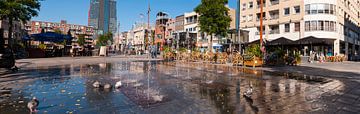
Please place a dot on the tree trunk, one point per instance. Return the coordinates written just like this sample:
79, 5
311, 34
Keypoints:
2, 42
10, 33
210, 41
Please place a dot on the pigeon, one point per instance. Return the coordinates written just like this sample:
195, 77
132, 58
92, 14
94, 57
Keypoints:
107, 86
118, 84
33, 104
96, 84
248, 92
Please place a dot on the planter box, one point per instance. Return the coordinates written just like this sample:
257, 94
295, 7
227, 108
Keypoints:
254, 62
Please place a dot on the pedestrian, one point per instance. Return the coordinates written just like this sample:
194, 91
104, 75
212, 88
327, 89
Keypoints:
155, 51
72, 51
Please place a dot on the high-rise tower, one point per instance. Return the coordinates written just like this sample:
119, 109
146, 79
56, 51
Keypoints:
102, 16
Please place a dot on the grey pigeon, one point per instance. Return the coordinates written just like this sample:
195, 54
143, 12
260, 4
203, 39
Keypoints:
96, 84
107, 86
33, 104
248, 92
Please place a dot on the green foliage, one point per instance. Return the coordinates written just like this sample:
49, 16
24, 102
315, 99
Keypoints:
167, 49
104, 40
254, 50
182, 49
195, 50
297, 57
276, 56
58, 31
214, 18
81, 40
18, 10
42, 46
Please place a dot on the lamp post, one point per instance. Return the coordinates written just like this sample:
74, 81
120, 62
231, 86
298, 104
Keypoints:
261, 22
238, 25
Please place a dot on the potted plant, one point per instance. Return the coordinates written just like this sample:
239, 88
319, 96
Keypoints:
253, 56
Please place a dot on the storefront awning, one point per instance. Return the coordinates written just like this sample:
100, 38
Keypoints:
281, 41
314, 40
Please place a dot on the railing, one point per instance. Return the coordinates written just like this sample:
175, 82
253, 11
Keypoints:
272, 17
274, 31
258, 19
274, 2
258, 33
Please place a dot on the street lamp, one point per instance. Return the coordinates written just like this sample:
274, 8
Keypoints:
238, 26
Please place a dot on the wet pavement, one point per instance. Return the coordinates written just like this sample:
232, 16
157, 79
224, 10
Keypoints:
173, 87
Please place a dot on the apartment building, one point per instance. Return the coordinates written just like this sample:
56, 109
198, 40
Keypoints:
35, 27
170, 29
136, 37
330, 27
17, 32
179, 33
192, 31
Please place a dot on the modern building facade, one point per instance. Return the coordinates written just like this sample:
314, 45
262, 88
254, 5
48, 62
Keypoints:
330, 27
35, 27
102, 16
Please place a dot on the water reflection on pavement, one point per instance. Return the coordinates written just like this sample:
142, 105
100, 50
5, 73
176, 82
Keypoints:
165, 88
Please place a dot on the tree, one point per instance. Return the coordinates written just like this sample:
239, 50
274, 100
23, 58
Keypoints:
58, 31
81, 40
104, 40
214, 18
17, 10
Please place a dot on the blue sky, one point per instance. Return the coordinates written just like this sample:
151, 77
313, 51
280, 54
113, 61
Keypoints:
128, 11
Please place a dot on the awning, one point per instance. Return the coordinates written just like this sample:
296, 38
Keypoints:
256, 42
315, 40
51, 37
281, 41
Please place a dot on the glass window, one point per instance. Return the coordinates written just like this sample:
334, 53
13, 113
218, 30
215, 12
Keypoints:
287, 27
320, 8
307, 9
327, 26
297, 9
332, 9
286, 11
251, 5
307, 26
327, 8
244, 6
297, 26
321, 25
313, 26
332, 26
313, 8
250, 18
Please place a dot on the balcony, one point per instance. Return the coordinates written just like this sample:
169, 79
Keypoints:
275, 31
258, 16
274, 2
274, 14
258, 33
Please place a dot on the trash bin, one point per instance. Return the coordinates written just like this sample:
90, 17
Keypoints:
103, 51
